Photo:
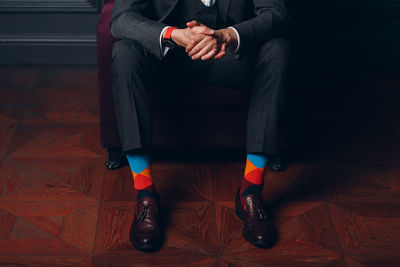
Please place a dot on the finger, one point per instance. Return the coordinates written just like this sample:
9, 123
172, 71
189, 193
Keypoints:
223, 47
193, 43
193, 23
199, 28
203, 30
222, 52
219, 55
210, 54
203, 52
198, 47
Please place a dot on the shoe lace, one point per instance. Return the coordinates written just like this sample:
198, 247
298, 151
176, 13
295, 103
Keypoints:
142, 215
261, 212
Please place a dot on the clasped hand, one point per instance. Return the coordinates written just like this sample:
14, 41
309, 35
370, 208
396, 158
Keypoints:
201, 42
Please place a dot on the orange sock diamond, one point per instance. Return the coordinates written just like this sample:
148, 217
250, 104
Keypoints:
142, 179
141, 171
253, 179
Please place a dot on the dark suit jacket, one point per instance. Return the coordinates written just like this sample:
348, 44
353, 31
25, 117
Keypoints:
143, 20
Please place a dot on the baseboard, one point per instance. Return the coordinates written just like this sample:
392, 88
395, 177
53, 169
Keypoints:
48, 50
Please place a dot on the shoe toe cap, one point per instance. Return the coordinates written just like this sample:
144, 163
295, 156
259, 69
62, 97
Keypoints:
145, 240
111, 165
261, 236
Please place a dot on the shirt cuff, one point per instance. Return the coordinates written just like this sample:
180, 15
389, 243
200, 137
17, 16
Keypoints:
164, 49
238, 38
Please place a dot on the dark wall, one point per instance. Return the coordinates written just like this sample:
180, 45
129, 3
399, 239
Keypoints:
356, 31
362, 32
339, 48
47, 31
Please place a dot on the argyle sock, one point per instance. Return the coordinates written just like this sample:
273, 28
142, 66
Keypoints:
139, 163
252, 182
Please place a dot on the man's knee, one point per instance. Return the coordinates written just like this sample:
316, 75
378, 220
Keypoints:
127, 52
277, 50
122, 48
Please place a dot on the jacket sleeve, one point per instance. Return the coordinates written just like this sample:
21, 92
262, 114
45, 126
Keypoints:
271, 21
128, 21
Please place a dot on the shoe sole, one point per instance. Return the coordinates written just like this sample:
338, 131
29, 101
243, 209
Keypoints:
147, 247
257, 244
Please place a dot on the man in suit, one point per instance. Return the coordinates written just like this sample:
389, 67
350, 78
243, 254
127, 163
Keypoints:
232, 43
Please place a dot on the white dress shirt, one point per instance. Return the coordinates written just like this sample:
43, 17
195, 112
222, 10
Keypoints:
208, 2
164, 49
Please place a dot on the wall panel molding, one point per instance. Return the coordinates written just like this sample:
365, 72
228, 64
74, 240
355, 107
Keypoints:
48, 51
48, 31
50, 6
70, 39
42, 49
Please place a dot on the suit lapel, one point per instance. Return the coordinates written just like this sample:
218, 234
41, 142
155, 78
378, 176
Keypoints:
223, 6
174, 2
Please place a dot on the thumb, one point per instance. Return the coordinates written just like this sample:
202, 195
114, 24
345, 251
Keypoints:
193, 23
205, 30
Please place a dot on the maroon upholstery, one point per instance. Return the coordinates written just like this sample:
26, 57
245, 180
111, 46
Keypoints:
108, 128
213, 116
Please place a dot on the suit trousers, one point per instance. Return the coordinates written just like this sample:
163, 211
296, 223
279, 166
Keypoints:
263, 72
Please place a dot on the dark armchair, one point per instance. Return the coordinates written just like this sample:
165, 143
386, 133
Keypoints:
214, 117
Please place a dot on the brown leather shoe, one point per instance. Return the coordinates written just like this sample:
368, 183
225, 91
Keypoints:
258, 224
145, 232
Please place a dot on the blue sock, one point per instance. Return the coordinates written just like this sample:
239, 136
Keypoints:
140, 167
252, 182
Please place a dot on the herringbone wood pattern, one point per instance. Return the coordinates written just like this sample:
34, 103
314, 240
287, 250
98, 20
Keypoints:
59, 206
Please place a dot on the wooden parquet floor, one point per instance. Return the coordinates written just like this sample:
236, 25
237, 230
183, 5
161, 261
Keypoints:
59, 206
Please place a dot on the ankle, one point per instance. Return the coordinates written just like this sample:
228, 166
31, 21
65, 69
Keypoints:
147, 192
252, 189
